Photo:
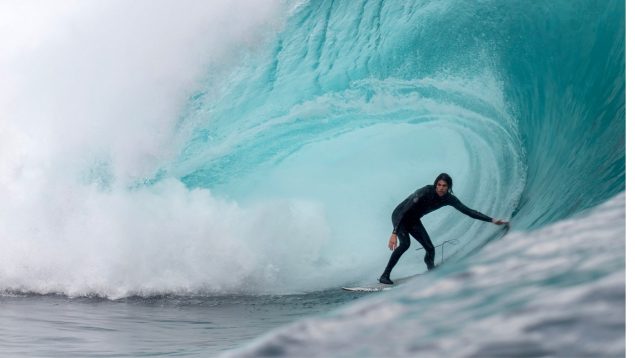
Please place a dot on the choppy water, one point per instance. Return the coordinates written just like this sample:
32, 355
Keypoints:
558, 291
181, 179
58, 326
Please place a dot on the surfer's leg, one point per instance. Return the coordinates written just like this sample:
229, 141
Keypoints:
420, 234
404, 244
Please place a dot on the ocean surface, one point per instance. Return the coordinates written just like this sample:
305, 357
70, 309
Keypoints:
200, 179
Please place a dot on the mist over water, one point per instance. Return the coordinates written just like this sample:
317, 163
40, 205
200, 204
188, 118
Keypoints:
90, 103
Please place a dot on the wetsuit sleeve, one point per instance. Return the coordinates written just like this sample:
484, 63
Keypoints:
399, 218
409, 203
458, 205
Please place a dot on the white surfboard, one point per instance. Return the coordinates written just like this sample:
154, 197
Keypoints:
376, 287
379, 287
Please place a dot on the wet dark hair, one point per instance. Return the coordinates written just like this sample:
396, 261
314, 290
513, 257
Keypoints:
446, 178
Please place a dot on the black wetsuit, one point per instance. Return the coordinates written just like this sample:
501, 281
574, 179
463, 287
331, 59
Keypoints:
406, 221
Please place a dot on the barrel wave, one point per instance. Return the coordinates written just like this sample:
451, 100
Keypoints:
272, 165
493, 86
353, 106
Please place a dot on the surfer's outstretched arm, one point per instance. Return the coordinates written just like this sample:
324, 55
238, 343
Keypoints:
458, 205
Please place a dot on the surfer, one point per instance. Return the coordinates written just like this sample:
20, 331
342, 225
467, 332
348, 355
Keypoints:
406, 220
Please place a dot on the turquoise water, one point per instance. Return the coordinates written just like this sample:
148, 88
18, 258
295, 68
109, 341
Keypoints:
354, 105
263, 158
529, 86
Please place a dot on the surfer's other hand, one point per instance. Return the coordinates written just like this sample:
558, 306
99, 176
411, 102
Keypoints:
392, 242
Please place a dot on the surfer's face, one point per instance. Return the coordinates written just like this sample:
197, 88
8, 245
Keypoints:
442, 188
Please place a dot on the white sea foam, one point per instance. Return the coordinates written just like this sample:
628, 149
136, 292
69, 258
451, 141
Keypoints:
90, 95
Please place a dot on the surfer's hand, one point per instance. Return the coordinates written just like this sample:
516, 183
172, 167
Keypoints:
500, 222
392, 242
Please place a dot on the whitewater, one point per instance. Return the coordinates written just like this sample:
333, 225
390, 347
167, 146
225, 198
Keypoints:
202, 178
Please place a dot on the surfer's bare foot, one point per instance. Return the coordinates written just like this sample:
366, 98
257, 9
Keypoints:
385, 280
